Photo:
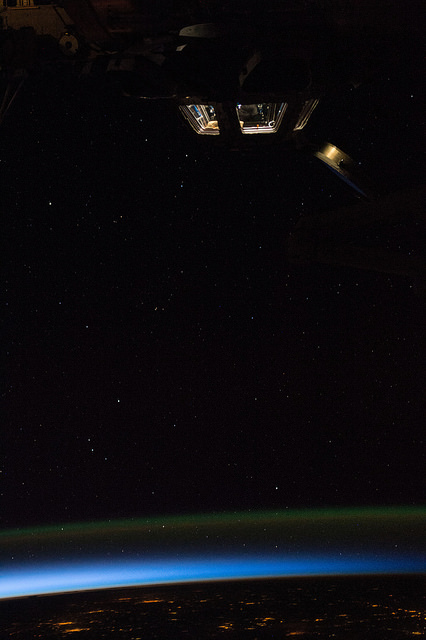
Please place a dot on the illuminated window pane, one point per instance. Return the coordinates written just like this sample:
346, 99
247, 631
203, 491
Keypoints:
260, 118
202, 118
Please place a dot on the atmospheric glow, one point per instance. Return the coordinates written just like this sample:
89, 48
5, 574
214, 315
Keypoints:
199, 548
378, 516
59, 577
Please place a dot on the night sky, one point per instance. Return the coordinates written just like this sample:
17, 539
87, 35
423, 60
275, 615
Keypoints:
162, 355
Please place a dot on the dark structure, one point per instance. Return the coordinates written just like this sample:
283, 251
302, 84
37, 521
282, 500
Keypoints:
240, 71
242, 75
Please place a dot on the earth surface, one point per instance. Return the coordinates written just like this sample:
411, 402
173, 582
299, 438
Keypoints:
391, 607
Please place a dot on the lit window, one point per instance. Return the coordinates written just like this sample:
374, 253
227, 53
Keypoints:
202, 118
260, 118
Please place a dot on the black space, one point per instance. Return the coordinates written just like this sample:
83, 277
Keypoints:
162, 355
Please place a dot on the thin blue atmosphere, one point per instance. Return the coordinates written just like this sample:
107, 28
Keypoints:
63, 577
212, 547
